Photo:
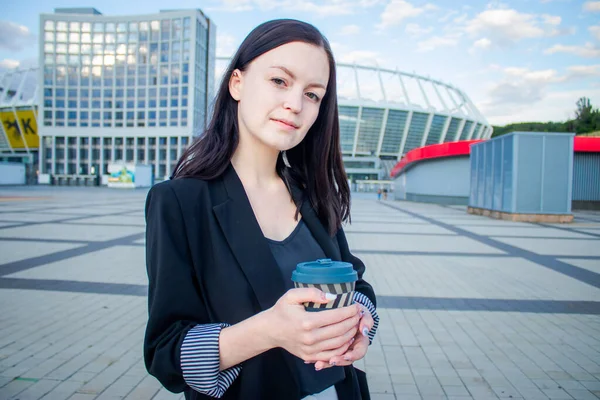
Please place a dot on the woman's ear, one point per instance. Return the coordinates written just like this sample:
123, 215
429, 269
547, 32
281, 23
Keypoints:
235, 84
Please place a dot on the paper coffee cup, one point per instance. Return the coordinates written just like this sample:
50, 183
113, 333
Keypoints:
335, 277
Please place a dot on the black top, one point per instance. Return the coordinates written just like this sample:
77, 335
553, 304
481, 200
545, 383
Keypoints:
301, 246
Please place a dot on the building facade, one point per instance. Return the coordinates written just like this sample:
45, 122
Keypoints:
130, 89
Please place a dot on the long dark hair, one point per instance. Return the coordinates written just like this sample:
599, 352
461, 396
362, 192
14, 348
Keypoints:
315, 164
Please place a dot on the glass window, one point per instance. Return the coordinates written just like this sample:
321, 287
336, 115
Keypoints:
86, 27
74, 26
49, 36
72, 103
61, 37
174, 102
122, 27
187, 21
86, 38
72, 115
152, 103
141, 115
141, 103
49, 25
74, 37
144, 26
152, 114
98, 38
110, 38
162, 115
84, 115
119, 115
163, 102
84, 104
49, 47
166, 29
61, 26
59, 103
154, 25
110, 27
121, 38
49, 59
73, 49
98, 27
174, 114
96, 104
133, 27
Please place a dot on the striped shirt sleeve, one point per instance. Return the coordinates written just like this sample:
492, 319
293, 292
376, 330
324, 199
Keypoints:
364, 300
200, 361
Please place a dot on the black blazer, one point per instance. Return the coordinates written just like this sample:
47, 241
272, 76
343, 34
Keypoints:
208, 262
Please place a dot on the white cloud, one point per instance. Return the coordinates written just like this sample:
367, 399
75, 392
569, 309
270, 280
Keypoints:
226, 45
436, 41
506, 26
588, 50
398, 10
14, 37
320, 8
556, 106
360, 57
582, 71
595, 31
551, 19
481, 44
350, 30
9, 64
592, 6
416, 30
448, 15
512, 98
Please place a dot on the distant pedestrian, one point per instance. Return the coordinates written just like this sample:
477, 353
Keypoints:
379, 194
385, 194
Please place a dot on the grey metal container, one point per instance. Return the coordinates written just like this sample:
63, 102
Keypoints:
523, 173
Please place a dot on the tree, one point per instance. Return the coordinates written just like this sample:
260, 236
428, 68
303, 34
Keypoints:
586, 118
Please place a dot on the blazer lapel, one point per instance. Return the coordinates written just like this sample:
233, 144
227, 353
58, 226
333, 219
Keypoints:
247, 242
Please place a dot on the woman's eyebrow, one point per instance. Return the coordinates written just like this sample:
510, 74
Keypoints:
287, 71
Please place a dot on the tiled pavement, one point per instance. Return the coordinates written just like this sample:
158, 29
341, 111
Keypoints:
471, 308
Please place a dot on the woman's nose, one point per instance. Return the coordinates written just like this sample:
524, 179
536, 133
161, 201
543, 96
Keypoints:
293, 102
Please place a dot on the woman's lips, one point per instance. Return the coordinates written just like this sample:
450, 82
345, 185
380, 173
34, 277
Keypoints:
284, 124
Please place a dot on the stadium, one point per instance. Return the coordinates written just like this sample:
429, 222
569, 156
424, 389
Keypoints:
384, 113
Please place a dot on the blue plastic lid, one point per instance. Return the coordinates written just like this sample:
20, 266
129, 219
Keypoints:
324, 271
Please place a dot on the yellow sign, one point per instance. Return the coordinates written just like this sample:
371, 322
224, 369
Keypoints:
24, 126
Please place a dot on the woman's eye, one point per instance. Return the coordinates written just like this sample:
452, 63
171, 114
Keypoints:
312, 96
278, 81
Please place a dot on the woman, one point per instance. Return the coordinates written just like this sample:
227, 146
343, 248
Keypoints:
262, 189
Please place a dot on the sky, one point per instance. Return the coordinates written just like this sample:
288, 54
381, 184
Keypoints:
518, 60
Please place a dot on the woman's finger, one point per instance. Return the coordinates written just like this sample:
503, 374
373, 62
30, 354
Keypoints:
358, 349
366, 322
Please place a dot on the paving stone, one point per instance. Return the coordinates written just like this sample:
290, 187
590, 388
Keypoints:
461, 317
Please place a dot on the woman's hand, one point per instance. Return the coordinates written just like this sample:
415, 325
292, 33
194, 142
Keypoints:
359, 347
312, 336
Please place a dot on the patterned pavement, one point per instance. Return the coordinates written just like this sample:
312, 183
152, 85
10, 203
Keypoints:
470, 307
